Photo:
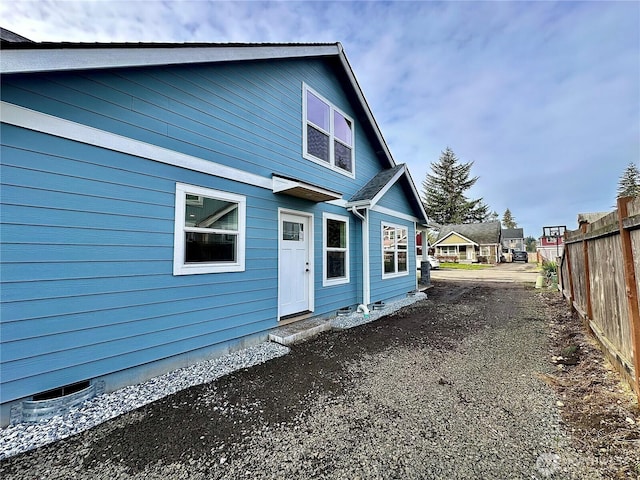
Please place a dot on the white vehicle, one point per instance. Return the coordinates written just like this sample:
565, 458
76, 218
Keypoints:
433, 262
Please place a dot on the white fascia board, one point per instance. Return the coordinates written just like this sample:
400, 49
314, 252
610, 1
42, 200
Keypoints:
338, 203
418, 199
59, 127
365, 105
391, 182
358, 203
393, 213
62, 59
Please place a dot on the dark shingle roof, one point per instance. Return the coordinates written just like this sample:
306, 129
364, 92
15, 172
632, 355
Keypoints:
9, 37
480, 233
508, 233
377, 183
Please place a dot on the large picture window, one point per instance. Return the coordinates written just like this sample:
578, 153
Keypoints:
395, 245
335, 249
328, 134
209, 232
449, 250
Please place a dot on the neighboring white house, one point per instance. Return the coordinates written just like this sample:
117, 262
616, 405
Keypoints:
469, 243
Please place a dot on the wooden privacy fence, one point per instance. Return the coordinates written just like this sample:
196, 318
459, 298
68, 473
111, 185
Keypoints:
600, 276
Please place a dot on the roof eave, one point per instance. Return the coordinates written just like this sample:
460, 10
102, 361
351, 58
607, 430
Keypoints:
365, 104
78, 58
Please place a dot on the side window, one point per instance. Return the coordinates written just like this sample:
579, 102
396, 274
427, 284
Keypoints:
328, 137
335, 246
395, 242
209, 235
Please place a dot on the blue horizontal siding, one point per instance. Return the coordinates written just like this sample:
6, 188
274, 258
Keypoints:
110, 363
227, 113
60, 235
86, 268
88, 276
331, 298
175, 323
396, 198
50, 253
388, 288
71, 288
19, 311
69, 329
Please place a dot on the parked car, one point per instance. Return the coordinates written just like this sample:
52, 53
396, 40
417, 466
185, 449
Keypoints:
520, 256
433, 262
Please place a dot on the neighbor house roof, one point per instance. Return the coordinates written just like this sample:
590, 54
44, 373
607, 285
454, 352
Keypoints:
509, 233
480, 233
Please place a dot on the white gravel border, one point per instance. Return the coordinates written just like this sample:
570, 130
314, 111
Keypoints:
23, 437
354, 319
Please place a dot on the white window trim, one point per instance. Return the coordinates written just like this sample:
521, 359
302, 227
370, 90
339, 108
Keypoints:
442, 247
327, 282
395, 274
179, 266
331, 164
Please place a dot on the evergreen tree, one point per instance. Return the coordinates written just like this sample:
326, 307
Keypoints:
507, 220
629, 184
531, 244
444, 192
493, 217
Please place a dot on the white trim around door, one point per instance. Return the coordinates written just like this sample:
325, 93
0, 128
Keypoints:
295, 263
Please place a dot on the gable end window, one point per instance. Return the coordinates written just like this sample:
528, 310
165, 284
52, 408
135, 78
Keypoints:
328, 136
395, 245
209, 235
335, 249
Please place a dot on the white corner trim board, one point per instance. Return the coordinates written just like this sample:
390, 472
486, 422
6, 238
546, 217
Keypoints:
59, 127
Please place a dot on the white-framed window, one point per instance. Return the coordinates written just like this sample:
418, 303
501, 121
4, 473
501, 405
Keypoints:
335, 249
209, 232
448, 250
395, 244
328, 133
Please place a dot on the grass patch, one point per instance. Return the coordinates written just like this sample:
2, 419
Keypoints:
465, 266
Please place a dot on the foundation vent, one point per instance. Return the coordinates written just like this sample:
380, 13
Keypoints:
55, 402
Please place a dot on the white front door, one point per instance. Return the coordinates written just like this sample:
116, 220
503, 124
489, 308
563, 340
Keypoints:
294, 270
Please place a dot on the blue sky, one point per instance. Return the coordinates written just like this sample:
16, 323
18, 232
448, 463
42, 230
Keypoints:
543, 97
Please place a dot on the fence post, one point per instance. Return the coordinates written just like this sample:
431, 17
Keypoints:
587, 274
631, 289
568, 257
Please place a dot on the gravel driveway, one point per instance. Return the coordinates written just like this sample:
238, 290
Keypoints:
447, 388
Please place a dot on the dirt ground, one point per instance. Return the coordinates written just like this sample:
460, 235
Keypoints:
599, 411
255, 423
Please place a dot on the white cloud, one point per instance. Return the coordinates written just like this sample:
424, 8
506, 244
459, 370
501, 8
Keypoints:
543, 97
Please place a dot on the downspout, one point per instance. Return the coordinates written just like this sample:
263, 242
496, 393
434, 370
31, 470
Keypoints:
366, 287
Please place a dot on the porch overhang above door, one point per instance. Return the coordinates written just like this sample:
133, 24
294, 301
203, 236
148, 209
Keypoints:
300, 189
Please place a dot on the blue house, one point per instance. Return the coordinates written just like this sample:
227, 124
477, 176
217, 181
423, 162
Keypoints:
165, 203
